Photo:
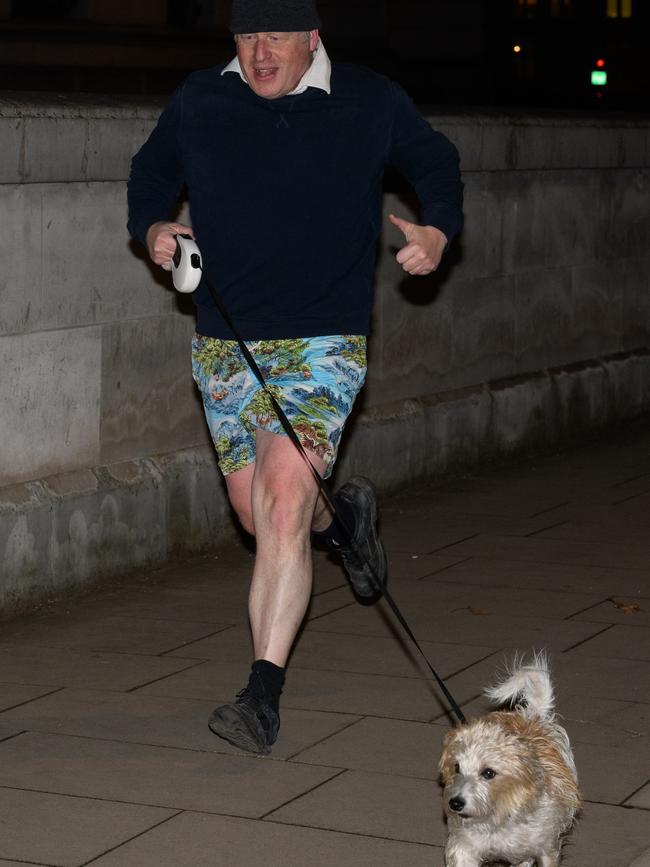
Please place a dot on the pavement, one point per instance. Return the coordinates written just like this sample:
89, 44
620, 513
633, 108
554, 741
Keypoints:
106, 757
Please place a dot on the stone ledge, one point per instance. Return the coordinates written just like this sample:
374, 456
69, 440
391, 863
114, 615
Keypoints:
73, 530
96, 137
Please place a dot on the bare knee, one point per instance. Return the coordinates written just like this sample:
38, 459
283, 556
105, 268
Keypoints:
283, 510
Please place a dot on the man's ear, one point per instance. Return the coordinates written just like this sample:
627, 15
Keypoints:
314, 36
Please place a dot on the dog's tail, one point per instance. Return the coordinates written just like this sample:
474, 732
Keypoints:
526, 687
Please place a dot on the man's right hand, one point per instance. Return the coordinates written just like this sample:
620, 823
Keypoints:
161, 242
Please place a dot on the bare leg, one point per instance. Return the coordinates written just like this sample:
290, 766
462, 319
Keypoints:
284, 504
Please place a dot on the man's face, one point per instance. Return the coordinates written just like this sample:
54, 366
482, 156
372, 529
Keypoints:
274, 63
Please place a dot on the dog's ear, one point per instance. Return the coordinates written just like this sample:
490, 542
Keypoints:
448, 758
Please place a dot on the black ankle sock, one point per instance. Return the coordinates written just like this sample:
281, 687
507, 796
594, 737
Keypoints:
266, 681
335, 536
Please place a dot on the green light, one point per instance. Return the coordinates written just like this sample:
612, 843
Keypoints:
598, 77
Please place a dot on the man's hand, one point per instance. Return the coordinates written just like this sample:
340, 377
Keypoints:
424, 248
161, 242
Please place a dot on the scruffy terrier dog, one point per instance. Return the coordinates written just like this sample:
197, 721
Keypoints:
510, 783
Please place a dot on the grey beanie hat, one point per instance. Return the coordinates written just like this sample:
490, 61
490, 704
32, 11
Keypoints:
269, 16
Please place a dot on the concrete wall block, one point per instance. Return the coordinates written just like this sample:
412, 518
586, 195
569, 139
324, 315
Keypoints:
597, 310
49, 403
411, 344
524, 416
11, 148
483, 330
630, 385
65, 540
92, 271
111, 144
457, 430
524, 220
623, 222
55, 149
468, 138
67, 259
556, 146
499, 146
633, 280
389, 444
583, 399
570, 203
632, 146
199, 516
65, 532
148, 401
476, 251
21, 275
544, 319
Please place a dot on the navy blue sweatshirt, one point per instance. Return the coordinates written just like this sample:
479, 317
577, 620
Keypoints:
286, 195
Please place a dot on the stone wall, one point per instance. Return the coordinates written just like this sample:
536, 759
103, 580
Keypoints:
536, 327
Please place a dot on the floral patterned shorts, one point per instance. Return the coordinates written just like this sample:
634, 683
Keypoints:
315, 380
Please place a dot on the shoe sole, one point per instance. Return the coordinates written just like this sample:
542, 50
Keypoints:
232, 728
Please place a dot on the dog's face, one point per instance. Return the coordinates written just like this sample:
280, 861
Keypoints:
489, 773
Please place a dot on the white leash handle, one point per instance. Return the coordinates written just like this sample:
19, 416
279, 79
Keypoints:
187, 264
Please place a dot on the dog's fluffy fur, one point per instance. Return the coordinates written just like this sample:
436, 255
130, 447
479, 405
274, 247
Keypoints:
510, 782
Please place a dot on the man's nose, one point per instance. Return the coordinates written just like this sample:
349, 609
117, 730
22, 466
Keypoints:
261, 48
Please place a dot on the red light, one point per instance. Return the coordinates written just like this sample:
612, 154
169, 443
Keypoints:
600, 63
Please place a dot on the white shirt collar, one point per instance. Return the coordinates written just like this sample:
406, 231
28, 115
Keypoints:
318, 75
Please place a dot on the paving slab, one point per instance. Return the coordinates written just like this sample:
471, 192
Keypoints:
108, 633
154, 776
643, 860
374, 805
623, 532
354, 653
410, 749
8, 731
619, 642
57, 667
543, 550
306, 689
204, 841
607, 837
610, 776
555, 555
404, 564
624, 609
582, 675
470, 625
641, 798
157, 721
168, 602
14, 694
4, 863
498, 571
60, 830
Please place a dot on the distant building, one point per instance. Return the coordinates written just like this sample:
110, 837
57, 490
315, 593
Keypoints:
465, 52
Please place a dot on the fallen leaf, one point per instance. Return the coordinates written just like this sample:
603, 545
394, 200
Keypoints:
627, 607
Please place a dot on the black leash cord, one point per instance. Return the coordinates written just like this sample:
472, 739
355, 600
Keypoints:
327, 494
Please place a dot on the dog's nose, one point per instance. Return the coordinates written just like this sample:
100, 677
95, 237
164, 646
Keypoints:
457, 805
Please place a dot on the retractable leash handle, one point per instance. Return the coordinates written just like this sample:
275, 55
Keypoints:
187, 264
293, 436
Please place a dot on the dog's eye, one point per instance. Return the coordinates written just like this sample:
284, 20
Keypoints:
488, 774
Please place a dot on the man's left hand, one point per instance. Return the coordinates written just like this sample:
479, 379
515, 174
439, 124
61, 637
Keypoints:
424, 248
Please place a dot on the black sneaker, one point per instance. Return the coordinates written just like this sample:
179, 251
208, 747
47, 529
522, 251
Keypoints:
248, 723
366, 570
